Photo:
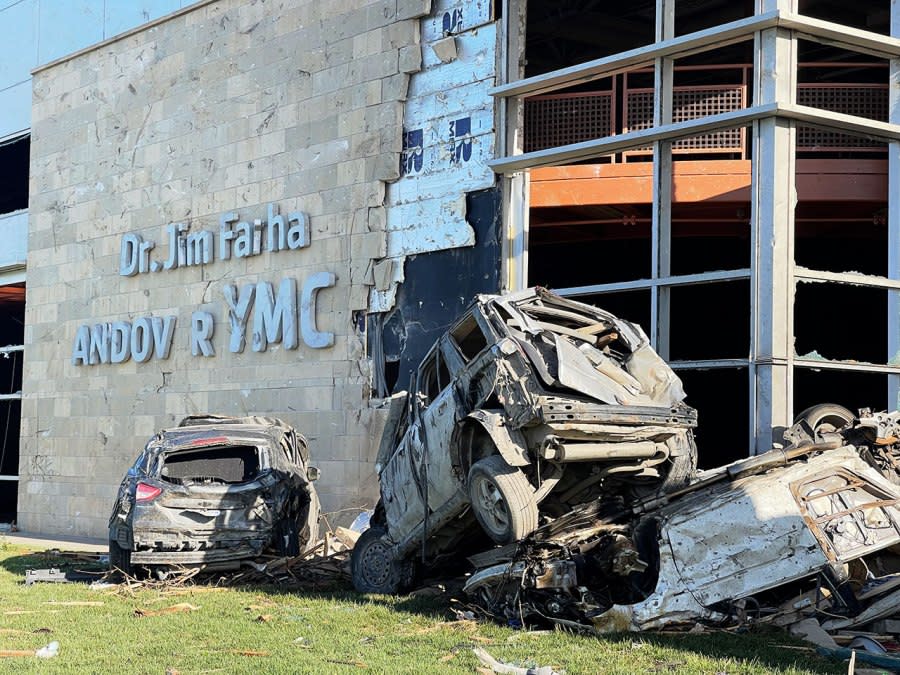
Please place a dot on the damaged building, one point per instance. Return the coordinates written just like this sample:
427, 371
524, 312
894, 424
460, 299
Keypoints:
277, 209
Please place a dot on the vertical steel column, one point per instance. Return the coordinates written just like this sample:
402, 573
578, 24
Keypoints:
772, 219
510, 119
894, 217
661, 244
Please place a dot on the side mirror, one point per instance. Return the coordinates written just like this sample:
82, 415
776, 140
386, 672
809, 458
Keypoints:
312, 473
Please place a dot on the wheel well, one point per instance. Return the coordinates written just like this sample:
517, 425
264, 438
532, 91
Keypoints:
473, 442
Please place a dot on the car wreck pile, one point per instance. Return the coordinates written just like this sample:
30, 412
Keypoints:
546, 443
808, 531
549, 436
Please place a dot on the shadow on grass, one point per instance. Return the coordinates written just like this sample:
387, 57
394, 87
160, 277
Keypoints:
764, 647
19, 564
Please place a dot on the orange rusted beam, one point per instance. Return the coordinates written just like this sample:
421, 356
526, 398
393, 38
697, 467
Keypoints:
706, 181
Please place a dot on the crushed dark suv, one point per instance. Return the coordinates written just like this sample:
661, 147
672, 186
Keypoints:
530, 405
213, 492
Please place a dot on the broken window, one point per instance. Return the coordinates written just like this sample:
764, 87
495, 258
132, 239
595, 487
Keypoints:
684, 234
469, 338
433, 376
871, 15
12, 320
14, 174
229, 464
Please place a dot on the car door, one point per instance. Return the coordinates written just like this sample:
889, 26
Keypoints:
420, 468
438, 421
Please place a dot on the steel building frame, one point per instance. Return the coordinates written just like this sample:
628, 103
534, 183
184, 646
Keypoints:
775, 30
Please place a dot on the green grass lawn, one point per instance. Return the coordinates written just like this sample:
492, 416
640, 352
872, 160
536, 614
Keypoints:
272, 630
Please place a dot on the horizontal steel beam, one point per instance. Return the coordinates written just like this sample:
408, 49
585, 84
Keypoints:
573, 152
850, 124
13, 274
849, 278
860, 366
839, 35
565, 154
825, 32
11, 397
645, 284
12, 348
711, 364
727, 33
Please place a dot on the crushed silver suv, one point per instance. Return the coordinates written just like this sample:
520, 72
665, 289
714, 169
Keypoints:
214, 492
530, 405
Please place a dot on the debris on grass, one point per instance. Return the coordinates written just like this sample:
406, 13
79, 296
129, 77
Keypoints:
45, 652
173, 609
508, 668
57, 576
357, 664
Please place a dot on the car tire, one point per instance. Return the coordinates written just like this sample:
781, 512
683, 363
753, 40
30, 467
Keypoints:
682, 467
119, 558
820, 417
373, 567
502, 500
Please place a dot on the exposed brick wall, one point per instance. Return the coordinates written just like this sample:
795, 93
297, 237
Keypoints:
229, 107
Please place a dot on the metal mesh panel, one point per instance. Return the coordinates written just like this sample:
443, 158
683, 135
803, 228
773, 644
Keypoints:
690, 103
561, 119
556, 120
869, 101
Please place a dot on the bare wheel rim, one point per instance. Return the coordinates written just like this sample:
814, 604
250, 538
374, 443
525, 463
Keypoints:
492, 506
376, 563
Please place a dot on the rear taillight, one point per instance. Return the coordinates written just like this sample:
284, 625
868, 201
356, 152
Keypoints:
144, 492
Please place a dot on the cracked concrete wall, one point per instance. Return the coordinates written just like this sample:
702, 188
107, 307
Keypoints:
229, 106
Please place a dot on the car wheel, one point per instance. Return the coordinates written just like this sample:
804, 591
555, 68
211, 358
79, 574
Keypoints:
119, 558
826, 417
502, 500
373, 566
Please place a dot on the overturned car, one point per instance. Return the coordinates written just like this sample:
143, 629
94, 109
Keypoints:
530, 405
213, 492
810, 530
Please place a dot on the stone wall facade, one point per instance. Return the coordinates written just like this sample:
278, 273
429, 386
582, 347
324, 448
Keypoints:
228, 111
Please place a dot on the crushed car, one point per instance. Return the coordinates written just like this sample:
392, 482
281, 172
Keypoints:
214, 492
528, 406
808, 531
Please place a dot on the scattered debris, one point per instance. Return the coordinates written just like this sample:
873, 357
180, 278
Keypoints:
58, 576
805, 537
498, 667
811, 631
173, 609
46, 652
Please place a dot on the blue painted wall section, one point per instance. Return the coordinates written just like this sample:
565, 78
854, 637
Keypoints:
438, 288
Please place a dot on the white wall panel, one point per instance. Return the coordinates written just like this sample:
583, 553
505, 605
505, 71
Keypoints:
15, 109
14, 235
